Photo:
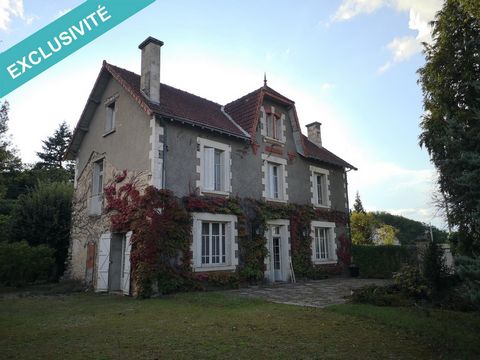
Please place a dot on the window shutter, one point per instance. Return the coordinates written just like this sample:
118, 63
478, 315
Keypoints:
103, 262
208, 169
126, 266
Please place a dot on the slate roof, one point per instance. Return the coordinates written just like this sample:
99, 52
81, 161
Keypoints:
312, 151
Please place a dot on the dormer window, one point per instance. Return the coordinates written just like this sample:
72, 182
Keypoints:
274, 127
110, 110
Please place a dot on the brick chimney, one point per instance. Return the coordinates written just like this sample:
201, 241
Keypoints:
315, 133
150, 75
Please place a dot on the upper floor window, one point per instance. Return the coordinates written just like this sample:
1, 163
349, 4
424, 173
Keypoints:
320, 186
110, 117
275, 176
274, 127
214, 166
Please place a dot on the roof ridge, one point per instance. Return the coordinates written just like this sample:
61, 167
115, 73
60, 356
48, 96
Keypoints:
244, 96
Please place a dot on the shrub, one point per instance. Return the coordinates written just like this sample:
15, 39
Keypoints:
21, 264
380, 296
468, 269
411, 282
380, 261
434, 269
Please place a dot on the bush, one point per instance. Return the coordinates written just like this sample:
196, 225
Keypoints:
380, 296
21, 264
380, 261
410, 281
468, 269
435, 270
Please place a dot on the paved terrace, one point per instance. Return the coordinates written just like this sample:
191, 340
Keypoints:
315, 293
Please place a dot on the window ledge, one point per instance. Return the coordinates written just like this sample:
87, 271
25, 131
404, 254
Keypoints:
215, 268
276, 200
270, 140
322, 206
215, 192
108, 133
324, 262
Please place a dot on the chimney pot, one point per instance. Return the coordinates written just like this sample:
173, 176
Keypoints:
315, 133
150, 74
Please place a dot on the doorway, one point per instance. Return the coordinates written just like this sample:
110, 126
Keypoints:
278, 261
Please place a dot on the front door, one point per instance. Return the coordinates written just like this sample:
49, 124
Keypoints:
277, 253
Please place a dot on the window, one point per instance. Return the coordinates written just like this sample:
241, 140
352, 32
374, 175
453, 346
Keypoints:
274, 178
213, 243
214, 246
96, 199
319, 187
214, 166
323, 244
274, 127
110, 117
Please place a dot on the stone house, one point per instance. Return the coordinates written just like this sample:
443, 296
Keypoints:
252, 147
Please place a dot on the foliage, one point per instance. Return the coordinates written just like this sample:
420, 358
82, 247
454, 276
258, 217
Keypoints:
161, 233
43, 216
10, 163
386, 234
379, 296
357, 205
434, 269
54, 149
221, 279
411, 282
21, 263
468, 269
379, 261
363, 227
450, 82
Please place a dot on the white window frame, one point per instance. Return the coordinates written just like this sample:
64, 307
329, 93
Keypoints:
96, 198
281, 163
264, 128
110, 115
331, 241
226, 177
314, 172
231, 245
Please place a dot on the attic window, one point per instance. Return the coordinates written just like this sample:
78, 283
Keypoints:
110, 117
274, 127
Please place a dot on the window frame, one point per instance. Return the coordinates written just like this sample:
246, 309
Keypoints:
110, 115
203, 146
95, 201
271, 162
265, 112
325, 187
329, 228
231, 245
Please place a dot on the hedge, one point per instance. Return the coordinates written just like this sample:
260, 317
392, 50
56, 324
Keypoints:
380, 261
21, 263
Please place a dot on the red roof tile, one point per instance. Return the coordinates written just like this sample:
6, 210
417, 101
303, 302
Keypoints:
177, 104
321, 154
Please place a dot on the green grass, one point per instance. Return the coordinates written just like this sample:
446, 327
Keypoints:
220, 325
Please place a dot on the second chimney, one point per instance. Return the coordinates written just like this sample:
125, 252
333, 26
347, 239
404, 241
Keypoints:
315, 133
150, 75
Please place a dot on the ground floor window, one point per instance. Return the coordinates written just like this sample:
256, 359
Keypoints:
214, 245
324, 247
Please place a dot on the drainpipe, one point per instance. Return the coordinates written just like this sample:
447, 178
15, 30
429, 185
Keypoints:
349, 231
164, 157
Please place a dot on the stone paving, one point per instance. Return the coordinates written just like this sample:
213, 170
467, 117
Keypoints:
314, 293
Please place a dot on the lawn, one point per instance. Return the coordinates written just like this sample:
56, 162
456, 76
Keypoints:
220, 325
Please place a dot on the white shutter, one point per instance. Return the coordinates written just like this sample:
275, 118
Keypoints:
126, 265
333, 244
208, 169
103, 262
271, 182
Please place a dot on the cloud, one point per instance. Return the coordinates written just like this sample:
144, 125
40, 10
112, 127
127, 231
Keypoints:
9, 9
326, 86
401, 48
62, 12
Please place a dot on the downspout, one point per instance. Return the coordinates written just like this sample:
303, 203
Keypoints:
164, 158
349, 229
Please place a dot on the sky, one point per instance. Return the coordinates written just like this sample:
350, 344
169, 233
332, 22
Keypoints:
349, 64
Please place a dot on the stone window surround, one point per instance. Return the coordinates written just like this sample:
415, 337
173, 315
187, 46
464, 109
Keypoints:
331, 240
231, 239
202, 143
108, 102
263, 125
313, 186
156, 153
266, 159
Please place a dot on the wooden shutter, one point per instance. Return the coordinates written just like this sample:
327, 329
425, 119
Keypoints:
126, 264
208, 169
103, 262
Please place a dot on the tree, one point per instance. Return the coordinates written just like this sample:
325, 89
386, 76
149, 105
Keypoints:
387, 234
9, 161
54, 148
357, 205
363, 227
43, 216
450, 126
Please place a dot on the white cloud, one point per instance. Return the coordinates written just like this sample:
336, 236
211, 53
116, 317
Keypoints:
421, 12
9, 9
63, 12
326, 86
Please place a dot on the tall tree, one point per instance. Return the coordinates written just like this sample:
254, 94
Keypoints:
55, 146
450, 82
357, 205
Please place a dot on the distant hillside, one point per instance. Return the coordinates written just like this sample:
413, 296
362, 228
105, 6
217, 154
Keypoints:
409, 230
